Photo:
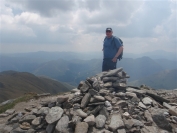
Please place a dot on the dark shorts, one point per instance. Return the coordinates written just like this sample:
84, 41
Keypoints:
108, 64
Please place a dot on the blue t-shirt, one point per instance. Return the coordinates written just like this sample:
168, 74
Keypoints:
110, 47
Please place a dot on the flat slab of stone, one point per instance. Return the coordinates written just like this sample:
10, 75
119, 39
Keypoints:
85, 100
147, 101
113, 72
116, 122
80, 113
135, 91
141, 105
81, 127
54, 114
27, 118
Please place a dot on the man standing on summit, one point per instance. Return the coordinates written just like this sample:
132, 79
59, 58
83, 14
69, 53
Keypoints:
112, 50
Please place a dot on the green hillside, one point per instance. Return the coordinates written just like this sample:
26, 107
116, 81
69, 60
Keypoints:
14, 84
163, 80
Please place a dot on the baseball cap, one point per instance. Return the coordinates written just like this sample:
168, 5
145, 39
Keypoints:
108, 29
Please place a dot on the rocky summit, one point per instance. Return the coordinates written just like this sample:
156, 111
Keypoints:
100, 104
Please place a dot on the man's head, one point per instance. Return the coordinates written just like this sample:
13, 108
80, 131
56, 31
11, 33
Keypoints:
109, 32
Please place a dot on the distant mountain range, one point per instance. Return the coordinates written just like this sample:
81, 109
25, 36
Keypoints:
14, 84
72, 68
163, 80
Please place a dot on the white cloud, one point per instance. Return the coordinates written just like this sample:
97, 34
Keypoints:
79, 25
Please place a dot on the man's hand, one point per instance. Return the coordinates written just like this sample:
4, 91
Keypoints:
114, 59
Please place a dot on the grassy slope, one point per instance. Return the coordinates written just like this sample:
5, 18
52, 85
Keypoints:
14, 84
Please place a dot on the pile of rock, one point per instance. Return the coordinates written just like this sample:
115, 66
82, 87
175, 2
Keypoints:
100, 104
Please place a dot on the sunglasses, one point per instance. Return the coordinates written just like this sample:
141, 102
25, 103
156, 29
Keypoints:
108, 31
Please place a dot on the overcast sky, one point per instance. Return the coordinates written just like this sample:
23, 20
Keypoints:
79, 25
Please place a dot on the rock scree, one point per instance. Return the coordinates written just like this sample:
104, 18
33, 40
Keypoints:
100, 104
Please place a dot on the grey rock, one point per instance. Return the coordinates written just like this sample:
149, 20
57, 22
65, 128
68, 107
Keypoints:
130, 94
157, 98
104, 112
121, 103
62, 125
4, 115
108, 84
160, 119
10, 111
99, 98
100, 121
119, 85
98, 103
50, 128
90, 120
116, 122
85, 100
18, 130
81, 127
62, 98
76, 99
147, 101
148, 116
121, 131
27, 118
84, 87
36, 121
75, 90
54, 114
43, 111
104, 92
166, 105
137, 123
112, 79
93, 92
142, 105
52, 104
113, 72
25, 126
149, 129
140, 92
80, 113
95, 110
128, 123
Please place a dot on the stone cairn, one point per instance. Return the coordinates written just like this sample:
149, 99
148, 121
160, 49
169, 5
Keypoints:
100, 104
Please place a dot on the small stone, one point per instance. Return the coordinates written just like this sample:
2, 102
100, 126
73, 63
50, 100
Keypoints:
90, 120
104, 112
147, 101
62, 99
126, 115
113, 72
43, 111
93, 92
122, 103
84, 87
36, 121
80, 113
141, 105
130, 94
100, 121
99, 98
25, 126
81, 127
108, 84
128, 123
54, 114
112, 79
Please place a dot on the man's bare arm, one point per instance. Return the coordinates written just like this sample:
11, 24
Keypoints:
117, 54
